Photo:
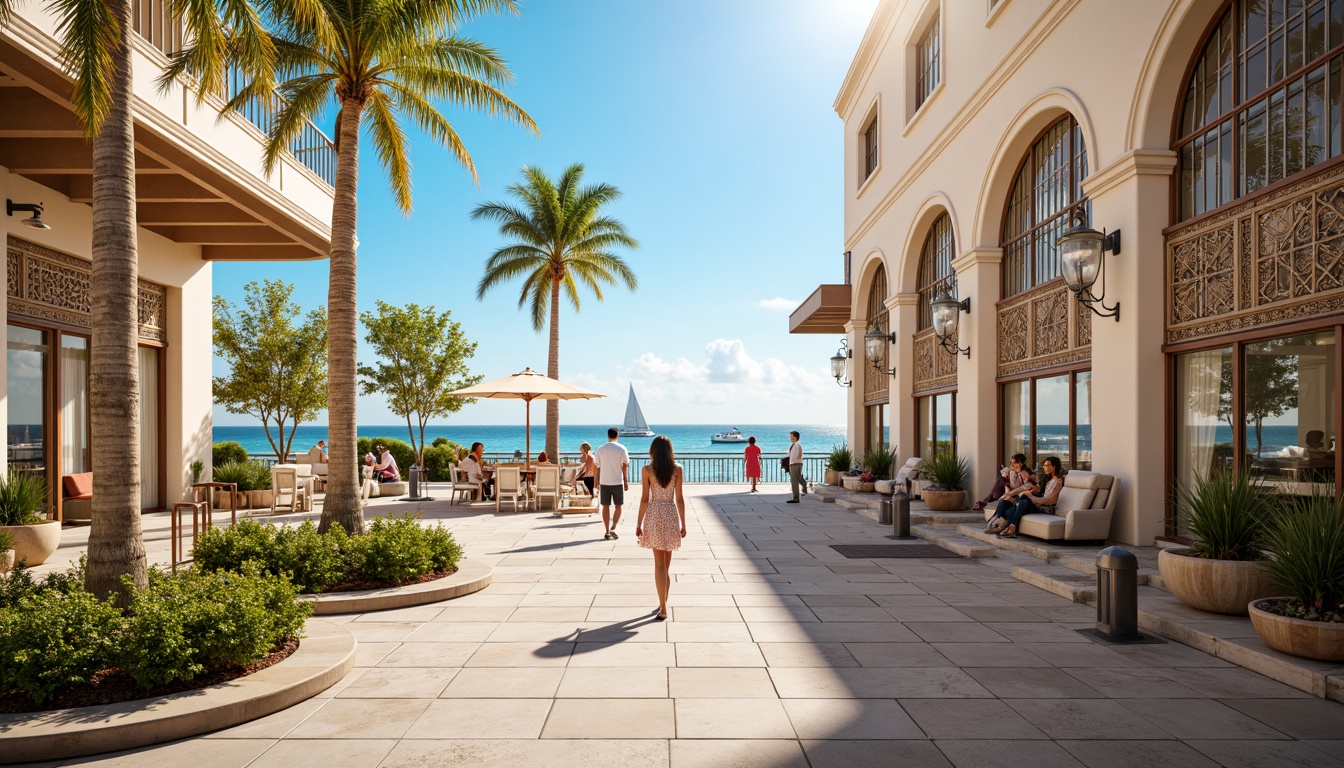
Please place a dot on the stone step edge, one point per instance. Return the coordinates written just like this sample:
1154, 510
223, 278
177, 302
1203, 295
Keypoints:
959, 544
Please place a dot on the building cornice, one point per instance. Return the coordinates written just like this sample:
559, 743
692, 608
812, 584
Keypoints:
903, 300
861, 65
1140, 162
976, 257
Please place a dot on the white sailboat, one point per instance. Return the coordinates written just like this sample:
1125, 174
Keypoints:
635, 425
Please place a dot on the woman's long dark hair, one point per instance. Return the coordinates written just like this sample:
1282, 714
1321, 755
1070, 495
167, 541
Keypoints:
1055, 463
660, 460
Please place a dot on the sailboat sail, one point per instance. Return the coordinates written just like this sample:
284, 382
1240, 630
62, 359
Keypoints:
634, 417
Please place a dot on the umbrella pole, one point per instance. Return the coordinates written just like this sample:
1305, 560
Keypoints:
527, 457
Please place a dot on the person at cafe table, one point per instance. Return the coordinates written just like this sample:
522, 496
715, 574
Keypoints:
474, 466
386, 470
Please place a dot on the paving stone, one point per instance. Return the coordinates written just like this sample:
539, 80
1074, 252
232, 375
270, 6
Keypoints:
876, 683
611, 719
481, 719
753, 753
529, 753
1200, 719
1006, 754
1085, 719
399, 683
1127, 754
494, 683
707, 632
897, 655
969, 719
807, 655
1032, 683
361, 719
955, 632
1299, 718
850, 719
732, 719
624, 655
719, 655
431, 655
889, 754
521, 655
201, 753
719, 683
1264, 754
347, 753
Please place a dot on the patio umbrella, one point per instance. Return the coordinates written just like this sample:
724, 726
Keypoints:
527, 386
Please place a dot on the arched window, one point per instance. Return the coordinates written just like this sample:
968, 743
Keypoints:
1048, 186
935, 266
876, 381
1263, 101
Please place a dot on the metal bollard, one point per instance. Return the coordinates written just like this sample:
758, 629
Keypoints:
1117, 593
900, 514
884, 508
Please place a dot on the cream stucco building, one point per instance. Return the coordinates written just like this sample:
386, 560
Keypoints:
201, 197
1207, 131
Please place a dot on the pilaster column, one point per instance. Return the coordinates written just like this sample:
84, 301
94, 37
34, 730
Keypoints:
903, 309
1129, 429
854, 398
978, 279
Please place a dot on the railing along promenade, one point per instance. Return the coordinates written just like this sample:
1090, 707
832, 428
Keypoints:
313, 148
704, 467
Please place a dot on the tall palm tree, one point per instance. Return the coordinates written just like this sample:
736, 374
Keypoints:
95, 47
380, 63
560, 238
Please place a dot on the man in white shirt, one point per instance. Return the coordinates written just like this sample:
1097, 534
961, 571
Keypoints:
795, 466
612, 463
474, 466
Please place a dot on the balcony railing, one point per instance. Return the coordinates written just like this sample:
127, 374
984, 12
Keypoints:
313, 148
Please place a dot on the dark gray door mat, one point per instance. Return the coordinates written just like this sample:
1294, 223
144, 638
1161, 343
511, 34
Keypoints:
878, 551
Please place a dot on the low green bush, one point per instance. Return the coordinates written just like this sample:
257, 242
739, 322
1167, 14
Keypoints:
259, 476
234, 472
399, 549
193, 622
1226, 515
6, 540
437, 459
400, 450
947, 471
229, 452
23, 497
51, 640
1306, 537
841, 459
21, 583
879, 461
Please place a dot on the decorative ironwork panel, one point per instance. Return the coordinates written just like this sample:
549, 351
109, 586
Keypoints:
1037, 331
935, 367
1288, 247
47, 285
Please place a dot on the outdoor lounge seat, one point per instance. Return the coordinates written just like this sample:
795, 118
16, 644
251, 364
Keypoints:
1083, 512
77, 498
912, 474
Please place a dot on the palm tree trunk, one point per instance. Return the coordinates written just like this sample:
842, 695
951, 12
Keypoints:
342, 506
116, 545
553, 370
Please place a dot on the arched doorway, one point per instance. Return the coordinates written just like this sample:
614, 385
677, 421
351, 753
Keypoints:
935, 379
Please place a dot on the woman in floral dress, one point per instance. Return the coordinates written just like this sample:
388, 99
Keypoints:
662, 514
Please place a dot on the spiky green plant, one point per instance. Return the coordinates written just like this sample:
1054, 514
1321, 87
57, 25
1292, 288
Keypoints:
947, 470
1226, 515
879, 461
1305, 537
841, 459
23, 497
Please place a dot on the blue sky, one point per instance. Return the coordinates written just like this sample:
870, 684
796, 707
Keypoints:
714, 119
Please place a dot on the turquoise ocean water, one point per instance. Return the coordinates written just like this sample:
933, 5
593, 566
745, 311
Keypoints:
686, 438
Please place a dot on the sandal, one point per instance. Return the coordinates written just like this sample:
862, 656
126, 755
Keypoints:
661, 617
1007, 534
979, 506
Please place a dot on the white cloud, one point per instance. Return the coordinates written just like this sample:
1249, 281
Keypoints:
653, 368
778, 305
728, 374
729, 362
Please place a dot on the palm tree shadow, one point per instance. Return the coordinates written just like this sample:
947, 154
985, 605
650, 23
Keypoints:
583, 640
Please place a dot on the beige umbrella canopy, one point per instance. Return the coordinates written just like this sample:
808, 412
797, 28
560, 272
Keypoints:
527, 386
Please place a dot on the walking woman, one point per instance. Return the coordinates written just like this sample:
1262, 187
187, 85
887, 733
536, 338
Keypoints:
1010, 512
662, 514
753, 458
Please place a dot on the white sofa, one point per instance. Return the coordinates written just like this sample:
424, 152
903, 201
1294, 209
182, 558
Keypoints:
1083, 513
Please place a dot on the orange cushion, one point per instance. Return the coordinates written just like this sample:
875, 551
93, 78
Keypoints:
78, 486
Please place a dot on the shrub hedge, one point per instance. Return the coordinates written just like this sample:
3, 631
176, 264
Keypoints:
227, 452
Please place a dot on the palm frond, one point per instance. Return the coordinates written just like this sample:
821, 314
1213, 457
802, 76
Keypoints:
429, 120
303, 97
501, 270
89, 34
389, 141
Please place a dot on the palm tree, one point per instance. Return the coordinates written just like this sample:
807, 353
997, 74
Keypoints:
380, 63
561, 238
95, 47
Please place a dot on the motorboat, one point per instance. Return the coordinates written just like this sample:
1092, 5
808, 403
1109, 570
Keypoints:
635, 425
732, 436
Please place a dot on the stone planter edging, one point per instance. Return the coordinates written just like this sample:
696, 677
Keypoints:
471, 576
1317, 640
1217, 586
325, 655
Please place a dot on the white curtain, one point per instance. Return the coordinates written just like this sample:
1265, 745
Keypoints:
74, 405
1016, 418
149, 428
1199, 382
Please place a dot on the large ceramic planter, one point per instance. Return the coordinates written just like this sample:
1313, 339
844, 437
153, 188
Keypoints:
1217, 586
1319, 640
33, 544
832, 477
944, 501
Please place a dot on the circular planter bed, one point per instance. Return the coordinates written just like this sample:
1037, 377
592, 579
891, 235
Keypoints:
470, 576
944, 501
1321, 640
1217, 586
33, 544
326, 654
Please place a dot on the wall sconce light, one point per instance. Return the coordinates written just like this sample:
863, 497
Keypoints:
946, 316
840, 364
35, 221
1082, 262
875, 344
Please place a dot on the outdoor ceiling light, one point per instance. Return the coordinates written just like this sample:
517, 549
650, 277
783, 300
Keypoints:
840, 364
35, 221
946, 316
875, 344
1082, 262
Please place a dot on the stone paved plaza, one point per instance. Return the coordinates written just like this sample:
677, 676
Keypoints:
779, 652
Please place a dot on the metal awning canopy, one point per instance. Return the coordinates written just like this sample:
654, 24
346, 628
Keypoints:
825, 311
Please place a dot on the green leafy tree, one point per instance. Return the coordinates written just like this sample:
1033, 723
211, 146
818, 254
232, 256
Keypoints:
421, 357
277, 367
561, 238
95, 47
381, 64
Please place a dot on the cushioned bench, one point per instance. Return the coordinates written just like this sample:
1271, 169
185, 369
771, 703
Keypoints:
1083, 512
77, 498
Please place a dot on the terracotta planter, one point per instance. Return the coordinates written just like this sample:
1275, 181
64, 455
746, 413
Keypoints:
1217, 586
260, 499
1319, 640
832, 477
6, 561
944, 501
33, 544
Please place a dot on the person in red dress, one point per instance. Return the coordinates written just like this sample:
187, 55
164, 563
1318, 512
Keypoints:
753, 455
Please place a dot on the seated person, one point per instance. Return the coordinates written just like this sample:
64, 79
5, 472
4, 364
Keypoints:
474, 466
587, 473
322, 446
1316, 445
542, 458
1013, 481
386, 470
1011, 511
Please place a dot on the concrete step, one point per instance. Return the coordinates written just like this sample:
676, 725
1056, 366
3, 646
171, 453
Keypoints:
1024, 544
954, 542
1058, 580
948, 517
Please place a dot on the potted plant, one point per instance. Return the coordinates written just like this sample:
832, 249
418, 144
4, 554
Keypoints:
23, 497
259, 493
865, 482
879, 461
233, 472
1305, 539
840, 460
1224, 570
6, 552
197, 467
946, 473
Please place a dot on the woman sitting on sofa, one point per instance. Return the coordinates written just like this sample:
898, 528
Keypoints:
1011, 511
1013, 481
